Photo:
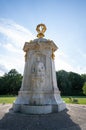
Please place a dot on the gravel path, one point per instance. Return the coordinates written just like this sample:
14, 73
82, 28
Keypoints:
73, 118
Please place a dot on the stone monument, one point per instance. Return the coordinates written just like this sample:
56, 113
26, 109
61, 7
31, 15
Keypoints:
39, 93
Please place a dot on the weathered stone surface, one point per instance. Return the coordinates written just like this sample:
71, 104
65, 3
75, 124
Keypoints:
39, 92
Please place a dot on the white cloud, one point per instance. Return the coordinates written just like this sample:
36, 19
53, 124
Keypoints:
14, 32
13, 37
82, 54
11, 48
62, 62
3, 69
11, 61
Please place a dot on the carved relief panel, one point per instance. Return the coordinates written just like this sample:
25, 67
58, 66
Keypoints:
38, 71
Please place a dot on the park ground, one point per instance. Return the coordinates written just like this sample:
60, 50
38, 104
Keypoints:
68, 99
72, 118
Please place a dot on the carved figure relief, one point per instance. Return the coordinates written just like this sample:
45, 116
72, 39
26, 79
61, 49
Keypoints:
38, 73
38, 67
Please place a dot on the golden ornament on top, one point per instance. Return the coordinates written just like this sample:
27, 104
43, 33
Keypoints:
41, 28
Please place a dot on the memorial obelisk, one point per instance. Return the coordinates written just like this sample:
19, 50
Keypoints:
39, 93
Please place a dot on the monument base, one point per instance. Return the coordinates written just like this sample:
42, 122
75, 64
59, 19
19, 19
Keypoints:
44, 109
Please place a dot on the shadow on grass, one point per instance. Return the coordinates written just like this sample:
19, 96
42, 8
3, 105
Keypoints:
53, 121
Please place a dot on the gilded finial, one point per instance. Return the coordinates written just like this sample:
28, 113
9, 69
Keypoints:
41, 28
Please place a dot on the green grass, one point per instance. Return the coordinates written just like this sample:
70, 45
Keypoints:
75, 99
80, 99
7, 99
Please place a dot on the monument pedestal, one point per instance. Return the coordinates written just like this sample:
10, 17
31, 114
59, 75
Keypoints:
45, 109
39, 93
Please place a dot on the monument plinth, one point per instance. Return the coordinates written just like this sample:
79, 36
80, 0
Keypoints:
39, 93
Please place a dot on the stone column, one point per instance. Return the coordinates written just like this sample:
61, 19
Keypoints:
39, 93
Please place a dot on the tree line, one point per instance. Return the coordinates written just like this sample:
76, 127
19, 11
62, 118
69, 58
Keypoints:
69, 83
10, 83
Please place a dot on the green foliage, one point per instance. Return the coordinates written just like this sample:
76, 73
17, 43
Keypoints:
76, 83
10, 82
83, 77
69, 83
63, 82
84, 88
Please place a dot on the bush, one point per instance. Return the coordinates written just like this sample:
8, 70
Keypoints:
84, 88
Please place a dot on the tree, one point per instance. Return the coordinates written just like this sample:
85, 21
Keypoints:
63, 82
84, 88
70, 83
83, 77
10, 83
76, 83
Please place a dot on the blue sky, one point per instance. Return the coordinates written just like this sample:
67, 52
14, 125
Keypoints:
66, 26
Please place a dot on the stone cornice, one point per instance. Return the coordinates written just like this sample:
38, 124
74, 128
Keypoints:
40, 44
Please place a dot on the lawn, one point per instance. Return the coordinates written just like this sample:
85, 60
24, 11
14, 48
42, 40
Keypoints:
7, 99
75, 99
67, 99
